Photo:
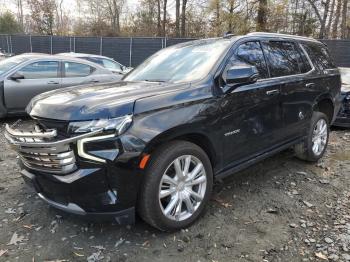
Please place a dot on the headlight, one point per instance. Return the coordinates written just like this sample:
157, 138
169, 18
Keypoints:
117, 125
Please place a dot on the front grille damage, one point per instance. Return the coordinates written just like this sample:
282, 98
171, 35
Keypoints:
40, 150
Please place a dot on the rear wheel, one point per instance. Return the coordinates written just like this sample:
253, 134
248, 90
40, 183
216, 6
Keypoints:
315, 144
177, 186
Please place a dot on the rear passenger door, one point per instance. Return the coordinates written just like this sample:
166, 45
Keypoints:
288, 66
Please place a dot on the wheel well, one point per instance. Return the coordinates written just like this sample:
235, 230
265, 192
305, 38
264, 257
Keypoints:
200, 140
325, 106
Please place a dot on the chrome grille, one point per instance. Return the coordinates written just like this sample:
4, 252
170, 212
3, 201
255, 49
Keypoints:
56, 163
42, 151
39, 151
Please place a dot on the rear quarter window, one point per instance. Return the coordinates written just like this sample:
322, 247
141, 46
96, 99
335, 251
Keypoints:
73, 69
319, 56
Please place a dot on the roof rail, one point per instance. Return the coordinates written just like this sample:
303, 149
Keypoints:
282, 35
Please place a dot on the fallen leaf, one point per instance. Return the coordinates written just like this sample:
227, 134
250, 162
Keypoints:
77, 254
3, 252
119, 242
222, 202
308, 204
10, 211
15, 239
146, 243
321, 256
272, 211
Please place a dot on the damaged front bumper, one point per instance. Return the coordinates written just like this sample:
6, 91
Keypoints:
71, 174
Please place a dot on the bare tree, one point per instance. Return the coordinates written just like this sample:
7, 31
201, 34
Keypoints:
114, 8
42, 15
328, 29
262, 16
164, 16
343, 20
158, 18
20, 13
183, 18
177, 18
336, 20
322, 19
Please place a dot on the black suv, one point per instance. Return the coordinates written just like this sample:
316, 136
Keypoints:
191, 113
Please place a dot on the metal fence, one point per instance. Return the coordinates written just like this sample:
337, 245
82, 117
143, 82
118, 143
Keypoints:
340, 51
129, 51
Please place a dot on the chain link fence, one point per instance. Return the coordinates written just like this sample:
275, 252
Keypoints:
129, 51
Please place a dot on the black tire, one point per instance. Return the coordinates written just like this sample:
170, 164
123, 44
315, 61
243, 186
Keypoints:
304, 150
149, 207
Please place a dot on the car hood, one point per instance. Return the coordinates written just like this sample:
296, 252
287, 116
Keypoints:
89, 102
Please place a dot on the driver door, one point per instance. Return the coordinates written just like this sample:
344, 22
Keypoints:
251, 114
38, 77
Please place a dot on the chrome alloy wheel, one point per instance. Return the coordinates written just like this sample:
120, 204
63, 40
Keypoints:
319, 137
182, 187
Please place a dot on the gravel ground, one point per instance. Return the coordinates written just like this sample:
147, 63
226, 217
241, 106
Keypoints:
281, 209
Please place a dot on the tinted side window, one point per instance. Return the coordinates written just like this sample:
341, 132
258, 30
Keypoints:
304, 63
77, 70
319, 55
252, 54
38, 70
282, 58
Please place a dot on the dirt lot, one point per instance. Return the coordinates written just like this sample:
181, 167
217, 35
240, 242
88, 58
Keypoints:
279, 210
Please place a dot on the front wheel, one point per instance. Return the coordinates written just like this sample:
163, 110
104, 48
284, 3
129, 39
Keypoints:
316, 141
177, 186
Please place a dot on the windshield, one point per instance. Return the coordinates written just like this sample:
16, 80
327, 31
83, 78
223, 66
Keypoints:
9, 63
180, 63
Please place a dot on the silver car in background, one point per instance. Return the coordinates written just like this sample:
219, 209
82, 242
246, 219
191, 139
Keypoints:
107, 62
24, 76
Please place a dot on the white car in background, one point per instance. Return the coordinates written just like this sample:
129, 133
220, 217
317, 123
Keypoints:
104, 61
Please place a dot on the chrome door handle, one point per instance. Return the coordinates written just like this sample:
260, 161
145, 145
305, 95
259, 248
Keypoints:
272, 92
52, 83
310, 85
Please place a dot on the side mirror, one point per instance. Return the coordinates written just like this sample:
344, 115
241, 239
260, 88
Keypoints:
239, 75
16, 76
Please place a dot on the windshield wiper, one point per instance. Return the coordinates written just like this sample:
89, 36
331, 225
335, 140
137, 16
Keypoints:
155, 80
